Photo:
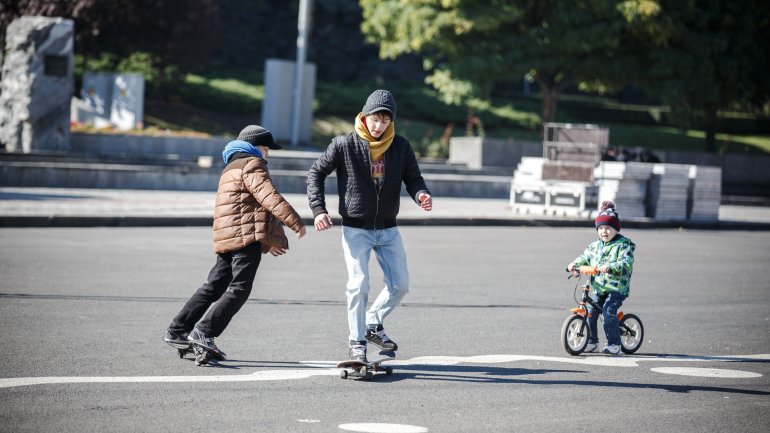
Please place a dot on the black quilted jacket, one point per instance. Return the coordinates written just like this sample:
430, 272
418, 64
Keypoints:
362, 204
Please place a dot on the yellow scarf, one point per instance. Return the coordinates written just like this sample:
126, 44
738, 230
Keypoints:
376, 148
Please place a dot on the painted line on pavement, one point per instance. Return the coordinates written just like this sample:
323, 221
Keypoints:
707, 372
253, 377
328, 368
382, 428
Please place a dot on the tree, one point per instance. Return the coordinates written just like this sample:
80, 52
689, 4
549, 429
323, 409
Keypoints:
714, 58
174, 31
470, 45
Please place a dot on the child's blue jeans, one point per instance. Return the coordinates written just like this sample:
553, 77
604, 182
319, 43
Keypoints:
610, 304
389, 250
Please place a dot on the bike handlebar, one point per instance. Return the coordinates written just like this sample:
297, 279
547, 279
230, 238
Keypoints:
585, 270
588, 270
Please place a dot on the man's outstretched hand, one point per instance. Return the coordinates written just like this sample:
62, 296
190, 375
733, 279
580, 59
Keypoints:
426, 202
322, 221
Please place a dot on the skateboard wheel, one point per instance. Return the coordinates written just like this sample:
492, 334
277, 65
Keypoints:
344, 374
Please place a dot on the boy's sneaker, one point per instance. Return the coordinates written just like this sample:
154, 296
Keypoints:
612, 349
378, 338
202, 342
591, 348
357, 352
176, 339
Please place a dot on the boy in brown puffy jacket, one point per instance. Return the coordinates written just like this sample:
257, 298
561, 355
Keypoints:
247, 223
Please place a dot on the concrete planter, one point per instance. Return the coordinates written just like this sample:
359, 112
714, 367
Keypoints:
478, 152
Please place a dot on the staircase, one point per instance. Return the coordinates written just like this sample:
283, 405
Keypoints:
194, 164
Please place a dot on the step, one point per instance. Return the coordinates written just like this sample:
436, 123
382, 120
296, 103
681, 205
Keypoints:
192, 177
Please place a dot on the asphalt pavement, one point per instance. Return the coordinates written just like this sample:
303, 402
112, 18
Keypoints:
83, 309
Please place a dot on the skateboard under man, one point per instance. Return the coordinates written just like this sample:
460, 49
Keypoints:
367, 370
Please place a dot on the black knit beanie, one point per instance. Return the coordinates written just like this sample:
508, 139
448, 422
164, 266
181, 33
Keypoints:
256, 135
380, 100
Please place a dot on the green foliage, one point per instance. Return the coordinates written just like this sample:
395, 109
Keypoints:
139, 62
226, 102
708, 61
699, 57
468, 46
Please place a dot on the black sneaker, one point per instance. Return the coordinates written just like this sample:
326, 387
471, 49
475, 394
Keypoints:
176, 339
202, 342
380, 339
357, 352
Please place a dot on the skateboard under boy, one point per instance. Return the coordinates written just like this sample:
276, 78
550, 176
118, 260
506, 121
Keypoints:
182, 348
204, 357
367, 370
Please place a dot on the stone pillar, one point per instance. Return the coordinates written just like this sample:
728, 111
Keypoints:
277, 110
37, 84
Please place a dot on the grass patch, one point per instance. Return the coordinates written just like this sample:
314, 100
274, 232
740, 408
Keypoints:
222, 104
670, 138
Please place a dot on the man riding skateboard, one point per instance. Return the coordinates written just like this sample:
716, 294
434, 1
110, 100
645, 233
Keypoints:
371, 163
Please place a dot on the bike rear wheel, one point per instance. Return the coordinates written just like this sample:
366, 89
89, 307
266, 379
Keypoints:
631, 333
574, 334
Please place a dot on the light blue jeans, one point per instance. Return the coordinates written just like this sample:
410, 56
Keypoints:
388, 247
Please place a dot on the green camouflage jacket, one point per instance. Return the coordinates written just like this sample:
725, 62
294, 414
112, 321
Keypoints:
618, 254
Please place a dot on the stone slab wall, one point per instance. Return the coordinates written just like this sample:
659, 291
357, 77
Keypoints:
37, 84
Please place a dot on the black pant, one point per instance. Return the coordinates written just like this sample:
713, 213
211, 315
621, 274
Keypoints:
228, 287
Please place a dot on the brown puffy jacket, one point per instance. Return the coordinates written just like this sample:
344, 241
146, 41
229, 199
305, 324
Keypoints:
249, 209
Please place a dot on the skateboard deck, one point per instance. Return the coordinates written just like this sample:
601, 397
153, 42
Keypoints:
367, 370
202, 355
182, 349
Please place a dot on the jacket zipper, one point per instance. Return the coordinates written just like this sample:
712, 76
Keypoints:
377, 188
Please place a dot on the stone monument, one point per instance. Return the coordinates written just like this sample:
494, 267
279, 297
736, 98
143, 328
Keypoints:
110, 100
37, 84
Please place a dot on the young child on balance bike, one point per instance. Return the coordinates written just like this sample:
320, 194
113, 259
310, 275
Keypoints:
613, 256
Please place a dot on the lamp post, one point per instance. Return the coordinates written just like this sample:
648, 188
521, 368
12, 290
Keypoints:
303, 29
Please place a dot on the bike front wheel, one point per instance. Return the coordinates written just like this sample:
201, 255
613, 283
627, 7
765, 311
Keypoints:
631, 333
574, 334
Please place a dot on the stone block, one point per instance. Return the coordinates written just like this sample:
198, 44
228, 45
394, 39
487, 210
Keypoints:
37, 84
478, 152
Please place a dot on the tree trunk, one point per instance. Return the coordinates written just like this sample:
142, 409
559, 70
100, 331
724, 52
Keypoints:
549, 91
710, 127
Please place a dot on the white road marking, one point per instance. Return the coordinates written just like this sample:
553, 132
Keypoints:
328, 368
707, 372
382, 428
600, 360
253, 377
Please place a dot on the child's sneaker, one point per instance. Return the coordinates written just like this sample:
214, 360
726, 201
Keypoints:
176, 339
377, 337
612, 349
591, 348
357, 352
202, 341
